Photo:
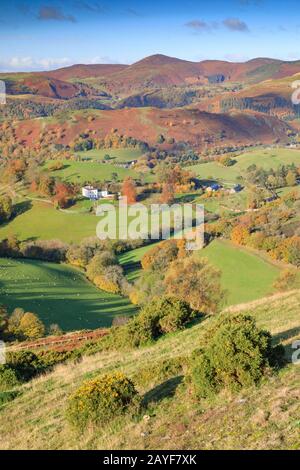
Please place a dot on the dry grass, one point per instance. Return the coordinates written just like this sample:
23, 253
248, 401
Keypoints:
265, 417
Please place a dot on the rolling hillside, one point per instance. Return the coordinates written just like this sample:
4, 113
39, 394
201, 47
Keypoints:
195, 127
156, 71
272, 96
264, 417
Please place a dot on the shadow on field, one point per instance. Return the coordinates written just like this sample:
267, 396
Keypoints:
165, 390
19, 208
22, 207
286, 335
60, 295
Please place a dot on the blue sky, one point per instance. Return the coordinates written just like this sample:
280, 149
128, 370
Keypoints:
40, 35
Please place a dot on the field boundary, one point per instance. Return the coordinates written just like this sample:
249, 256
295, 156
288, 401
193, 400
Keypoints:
58, 342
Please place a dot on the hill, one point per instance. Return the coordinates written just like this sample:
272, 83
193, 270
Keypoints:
269, 96
195, 127
157, 71
43, 86
264, 417
85, 71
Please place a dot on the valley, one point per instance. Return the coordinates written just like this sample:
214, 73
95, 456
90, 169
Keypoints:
141, 342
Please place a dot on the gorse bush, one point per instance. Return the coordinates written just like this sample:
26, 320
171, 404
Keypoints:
26, 364
237, 354
100, 400
159, 317
8, 378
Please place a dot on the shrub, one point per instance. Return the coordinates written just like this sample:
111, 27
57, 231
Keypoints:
286, 280
173, 313
161, 255
101, 399
112, 280
99, 262
157, 318
48, 359
237, 354
7, 396
26, 364
8, 378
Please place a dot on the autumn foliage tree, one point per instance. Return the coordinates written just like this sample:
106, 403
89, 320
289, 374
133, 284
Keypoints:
196, 282
129, 190
31, 326
240, 234
63, 192
167, 194
161, 255
6, 208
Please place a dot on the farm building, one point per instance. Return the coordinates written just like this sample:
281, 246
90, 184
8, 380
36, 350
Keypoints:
236, 189
94, 193
213, 187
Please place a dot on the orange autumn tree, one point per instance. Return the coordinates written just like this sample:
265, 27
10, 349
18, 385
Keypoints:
62, 194
167, 195
240, 234
129, 191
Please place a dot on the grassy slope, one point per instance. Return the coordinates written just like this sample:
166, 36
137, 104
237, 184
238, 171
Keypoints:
79, 172
117, 155
42, 221
59, 294
245, 276
262, 158
265, 417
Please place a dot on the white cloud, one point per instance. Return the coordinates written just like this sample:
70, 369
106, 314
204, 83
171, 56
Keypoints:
25, 64
101, 60
29, 64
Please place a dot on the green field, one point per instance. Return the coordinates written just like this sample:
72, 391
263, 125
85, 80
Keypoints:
265, 158
116, 155
131, 261
80, 172
42, 221
58, 294
94, 170
245, 276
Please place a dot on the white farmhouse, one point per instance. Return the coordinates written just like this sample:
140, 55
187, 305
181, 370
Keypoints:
94, 193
